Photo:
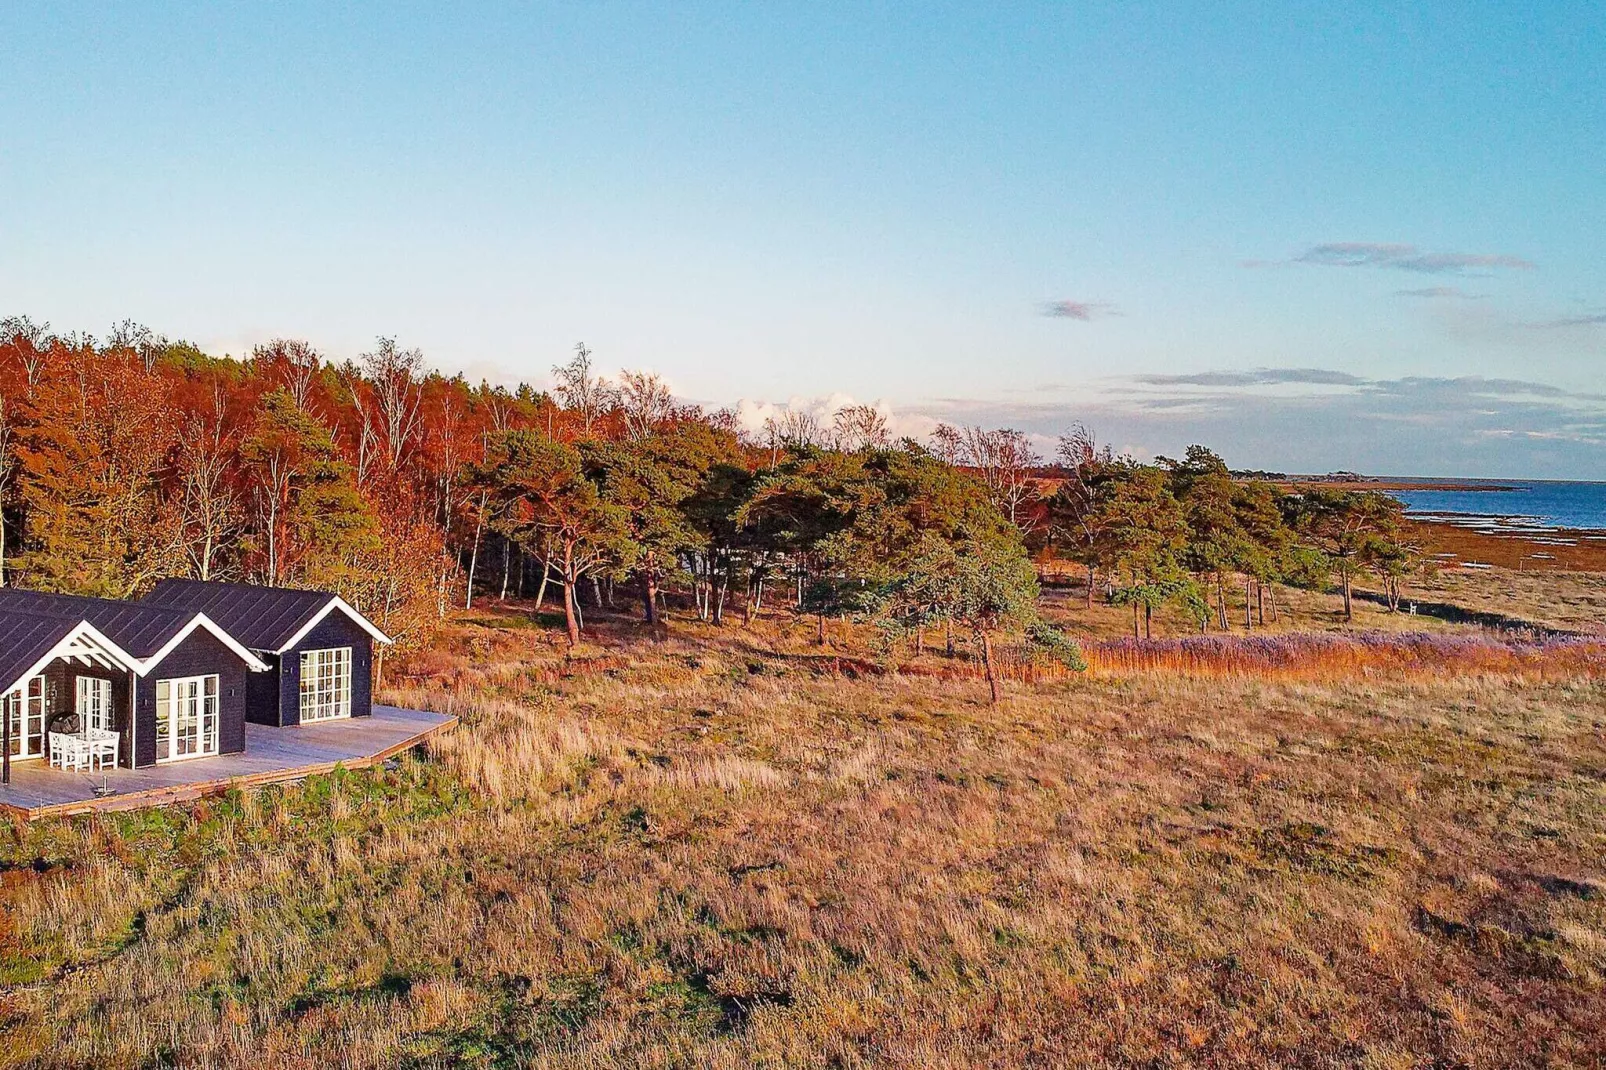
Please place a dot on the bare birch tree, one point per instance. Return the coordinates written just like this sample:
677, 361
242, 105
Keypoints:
800, 430
209, 511
138, 339
580, 390
1004, 459
646, 402
860, 427
395, 375
367, 420
30, 342
948, 444
296, 363
8, 468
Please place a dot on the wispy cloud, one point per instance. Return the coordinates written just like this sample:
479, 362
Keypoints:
1413, 425
1257, 377
1440, 293
1593, 319
1079, 310
1400, 257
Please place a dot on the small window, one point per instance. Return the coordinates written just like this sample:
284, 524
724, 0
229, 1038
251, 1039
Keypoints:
326, 684
164, 717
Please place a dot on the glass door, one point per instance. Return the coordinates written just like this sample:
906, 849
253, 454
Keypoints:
25, 709
186, 718
95, 703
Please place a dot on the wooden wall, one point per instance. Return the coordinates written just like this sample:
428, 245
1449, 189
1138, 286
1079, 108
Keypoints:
202, 654
335, 630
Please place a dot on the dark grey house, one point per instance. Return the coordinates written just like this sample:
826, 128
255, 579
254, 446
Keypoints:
163, 679
319, 650
170, 684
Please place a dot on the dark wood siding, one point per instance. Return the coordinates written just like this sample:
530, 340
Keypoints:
199, 655
335, 630
61, 695
262, 694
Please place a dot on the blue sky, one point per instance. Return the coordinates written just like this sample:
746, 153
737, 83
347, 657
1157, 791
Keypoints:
1369, 238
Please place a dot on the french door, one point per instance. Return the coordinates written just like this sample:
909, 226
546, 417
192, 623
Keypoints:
186, 718
25, 709
95, 703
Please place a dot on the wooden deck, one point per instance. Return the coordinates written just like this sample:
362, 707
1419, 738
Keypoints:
271, 755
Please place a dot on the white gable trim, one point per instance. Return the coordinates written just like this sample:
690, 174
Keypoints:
201, 620
83, 641
335, 602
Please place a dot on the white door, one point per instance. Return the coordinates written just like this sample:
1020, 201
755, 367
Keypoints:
95, 703
25, 709
186, 718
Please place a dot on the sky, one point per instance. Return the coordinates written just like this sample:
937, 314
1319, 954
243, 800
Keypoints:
1314, 237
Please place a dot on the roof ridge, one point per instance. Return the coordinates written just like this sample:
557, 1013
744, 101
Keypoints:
38, 615
58, 596
241, 585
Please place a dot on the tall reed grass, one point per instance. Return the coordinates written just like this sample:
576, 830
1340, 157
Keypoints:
1282, 655
1331, 655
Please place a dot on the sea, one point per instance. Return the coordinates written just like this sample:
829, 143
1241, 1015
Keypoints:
1514, 506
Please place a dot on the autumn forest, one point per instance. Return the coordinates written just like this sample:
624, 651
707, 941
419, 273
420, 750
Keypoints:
132, 458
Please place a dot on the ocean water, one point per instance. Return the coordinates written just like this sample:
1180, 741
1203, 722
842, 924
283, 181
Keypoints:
1521, 504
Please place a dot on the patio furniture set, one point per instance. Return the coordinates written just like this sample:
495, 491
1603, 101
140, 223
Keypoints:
84, 750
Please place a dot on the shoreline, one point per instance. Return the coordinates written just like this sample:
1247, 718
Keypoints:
1528, 549
1385, 484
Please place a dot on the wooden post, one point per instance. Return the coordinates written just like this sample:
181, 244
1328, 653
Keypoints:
987, 661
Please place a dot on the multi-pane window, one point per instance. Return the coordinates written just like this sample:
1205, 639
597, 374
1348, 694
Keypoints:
95, 702
325, 684
25, 709
186, 717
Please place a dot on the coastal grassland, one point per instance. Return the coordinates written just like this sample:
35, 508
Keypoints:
1447, 598
1571, 601
1295, 610
710, 850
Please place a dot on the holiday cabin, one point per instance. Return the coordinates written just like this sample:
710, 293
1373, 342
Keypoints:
91, 682
318, 649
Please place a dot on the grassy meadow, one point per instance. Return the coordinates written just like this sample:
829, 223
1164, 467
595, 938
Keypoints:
734, 848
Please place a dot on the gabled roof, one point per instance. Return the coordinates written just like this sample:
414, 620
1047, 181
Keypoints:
30, 641
139, 629
270, 619
144, 633
24, 639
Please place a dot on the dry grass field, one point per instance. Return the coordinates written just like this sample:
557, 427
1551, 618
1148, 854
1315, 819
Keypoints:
726, 849
1573, 601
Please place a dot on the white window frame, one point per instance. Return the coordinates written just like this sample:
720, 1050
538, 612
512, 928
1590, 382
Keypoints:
25, 706
325, 684
201, 693
95, 703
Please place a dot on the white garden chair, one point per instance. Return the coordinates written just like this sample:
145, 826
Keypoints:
103, 744
70, 750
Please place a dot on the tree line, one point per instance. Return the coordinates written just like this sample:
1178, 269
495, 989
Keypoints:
1178, 531
130, 458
